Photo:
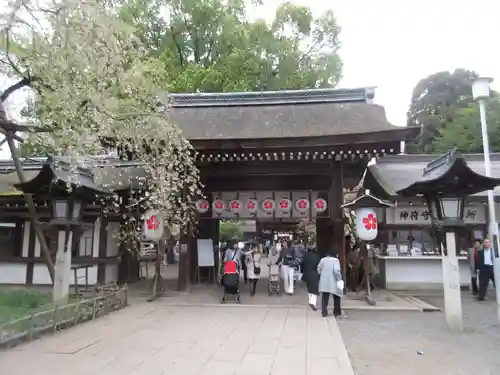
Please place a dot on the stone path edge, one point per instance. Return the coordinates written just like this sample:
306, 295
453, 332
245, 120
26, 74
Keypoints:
243, 305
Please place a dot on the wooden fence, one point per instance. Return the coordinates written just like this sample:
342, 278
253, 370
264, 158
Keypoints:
32, 326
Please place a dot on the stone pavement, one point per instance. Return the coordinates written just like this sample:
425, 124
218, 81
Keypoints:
206, 295
155, 338
401, 342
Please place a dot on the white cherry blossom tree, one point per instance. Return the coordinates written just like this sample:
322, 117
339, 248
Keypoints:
93, 91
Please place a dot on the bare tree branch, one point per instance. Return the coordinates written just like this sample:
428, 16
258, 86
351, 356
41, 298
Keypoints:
24, 82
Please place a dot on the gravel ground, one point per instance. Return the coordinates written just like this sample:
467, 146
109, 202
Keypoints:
395, 343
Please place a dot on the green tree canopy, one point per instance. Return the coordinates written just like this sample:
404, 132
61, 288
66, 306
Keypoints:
92, 89
212, 46
464, 130
435, 101
229, 230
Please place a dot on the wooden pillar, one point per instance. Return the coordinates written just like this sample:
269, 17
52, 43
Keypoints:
322, 235
336, 197
330, 231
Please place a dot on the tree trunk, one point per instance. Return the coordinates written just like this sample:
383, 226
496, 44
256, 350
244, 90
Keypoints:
31, 207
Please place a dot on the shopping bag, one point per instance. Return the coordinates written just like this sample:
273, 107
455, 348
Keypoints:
340, 285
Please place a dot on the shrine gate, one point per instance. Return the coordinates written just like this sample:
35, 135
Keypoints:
282, 155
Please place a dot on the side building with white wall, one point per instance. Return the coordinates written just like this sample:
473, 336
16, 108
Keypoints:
95, 251
408, 255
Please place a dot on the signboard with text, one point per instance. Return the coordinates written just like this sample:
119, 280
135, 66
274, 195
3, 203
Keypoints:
418, 215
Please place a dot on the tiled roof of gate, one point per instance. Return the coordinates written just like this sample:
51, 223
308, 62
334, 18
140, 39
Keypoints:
299, 113
396, 172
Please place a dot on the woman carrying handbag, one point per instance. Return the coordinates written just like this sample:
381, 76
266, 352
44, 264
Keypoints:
253, 259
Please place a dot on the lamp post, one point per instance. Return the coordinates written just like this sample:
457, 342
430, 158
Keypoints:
446, 214
481, 92
67, 187
66, 214
445, 183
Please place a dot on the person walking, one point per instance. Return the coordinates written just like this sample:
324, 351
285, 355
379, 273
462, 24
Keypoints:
484, 265
300, 252
310, 275
288, 267
233, 252
471, 257
330, 282
244, 251
252, 260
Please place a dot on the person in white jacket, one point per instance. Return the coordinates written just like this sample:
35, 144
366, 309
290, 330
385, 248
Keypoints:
330, 282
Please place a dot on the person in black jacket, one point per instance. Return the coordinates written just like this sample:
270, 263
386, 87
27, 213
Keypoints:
288, 267
244, 269
484, 264
310, 274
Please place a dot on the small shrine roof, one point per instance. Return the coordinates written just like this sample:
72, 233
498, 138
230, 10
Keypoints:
393, 173
109, 173
57, 174
281, 114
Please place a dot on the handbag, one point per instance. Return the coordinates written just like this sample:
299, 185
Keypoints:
340, 285
339, 282
256, 268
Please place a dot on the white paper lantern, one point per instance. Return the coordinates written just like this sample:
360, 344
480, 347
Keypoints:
202, 206
268, 205
252, 205
218, 206
302, 205
285, 205
366, 224
235, 206
320, 205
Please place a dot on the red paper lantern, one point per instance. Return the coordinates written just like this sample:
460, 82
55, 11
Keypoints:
302, 205
218, 206
252, 205
320, 205
268, 205
235, 206
202, 206
285, 205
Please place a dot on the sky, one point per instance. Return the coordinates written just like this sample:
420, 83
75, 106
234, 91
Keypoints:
392, 44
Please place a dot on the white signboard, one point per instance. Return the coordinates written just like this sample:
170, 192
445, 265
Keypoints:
205, 252
153, 226
420, 215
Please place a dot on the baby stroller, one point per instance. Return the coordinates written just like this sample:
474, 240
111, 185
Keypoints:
274, 279
230, 280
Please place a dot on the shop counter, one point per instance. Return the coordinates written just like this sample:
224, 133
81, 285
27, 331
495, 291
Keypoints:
417, 272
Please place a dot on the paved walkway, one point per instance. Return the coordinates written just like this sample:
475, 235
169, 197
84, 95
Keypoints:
155, 338
401, 342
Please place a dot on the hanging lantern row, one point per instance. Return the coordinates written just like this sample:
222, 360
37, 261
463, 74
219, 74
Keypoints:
267, 205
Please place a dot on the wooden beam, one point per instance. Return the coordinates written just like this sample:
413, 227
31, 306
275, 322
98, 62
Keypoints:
267, 183
267, 168
374, 139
